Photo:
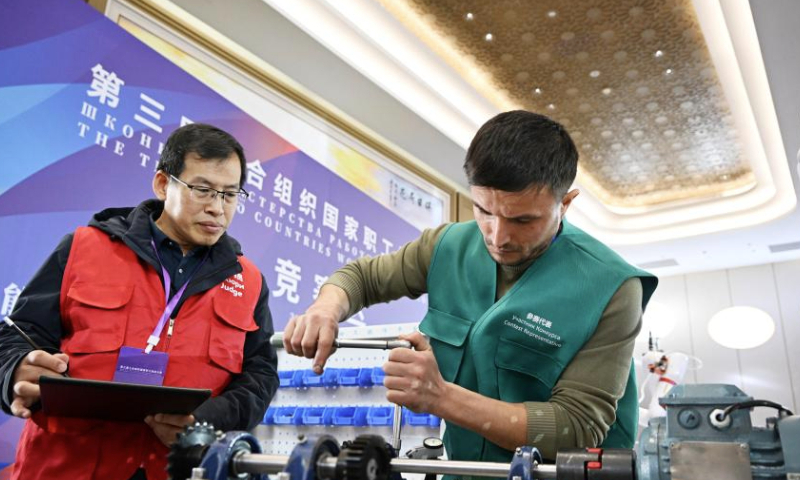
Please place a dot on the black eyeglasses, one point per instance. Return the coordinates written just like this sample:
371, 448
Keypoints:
204, 195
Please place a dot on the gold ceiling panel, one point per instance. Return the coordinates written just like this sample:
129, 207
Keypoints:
631, 80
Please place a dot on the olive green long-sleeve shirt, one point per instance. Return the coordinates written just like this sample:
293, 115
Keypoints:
583, 403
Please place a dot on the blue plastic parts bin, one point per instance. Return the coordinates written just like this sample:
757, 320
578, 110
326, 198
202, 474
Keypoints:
380, 416
360, 418
420, 419
297, 379
349, 376
316, 416
311, 379
365, 377
350, 416
289, 415
377, 376
341, 416
269, 416
285, 378
332, 378
375, 416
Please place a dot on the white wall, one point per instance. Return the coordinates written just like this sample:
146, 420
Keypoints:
771, 371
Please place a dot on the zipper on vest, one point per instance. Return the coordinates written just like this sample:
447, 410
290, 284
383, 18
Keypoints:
169, 333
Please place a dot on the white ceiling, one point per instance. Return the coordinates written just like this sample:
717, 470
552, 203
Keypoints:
438, 135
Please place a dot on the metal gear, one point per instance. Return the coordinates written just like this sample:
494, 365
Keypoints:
188, 450
365, 458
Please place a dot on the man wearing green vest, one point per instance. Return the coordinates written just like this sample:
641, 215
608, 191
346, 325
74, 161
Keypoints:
531, 322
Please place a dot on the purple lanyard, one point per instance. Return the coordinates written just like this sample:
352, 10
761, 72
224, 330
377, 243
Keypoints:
155, 337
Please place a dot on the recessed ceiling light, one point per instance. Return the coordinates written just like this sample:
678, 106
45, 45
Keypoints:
537, 91
594, 73
552, 14
741, 327
659, 54
606, 91
469, 17
489, 37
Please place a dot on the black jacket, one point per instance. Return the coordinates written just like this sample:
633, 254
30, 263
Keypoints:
244, 401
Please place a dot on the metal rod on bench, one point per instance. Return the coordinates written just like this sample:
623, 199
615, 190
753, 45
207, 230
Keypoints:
277, 342
256, 463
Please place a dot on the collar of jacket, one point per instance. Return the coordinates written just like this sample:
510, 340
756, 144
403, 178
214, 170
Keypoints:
132, 226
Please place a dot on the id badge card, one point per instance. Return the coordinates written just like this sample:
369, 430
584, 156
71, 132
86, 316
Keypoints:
135, 366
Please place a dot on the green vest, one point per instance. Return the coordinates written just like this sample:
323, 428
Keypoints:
515, 349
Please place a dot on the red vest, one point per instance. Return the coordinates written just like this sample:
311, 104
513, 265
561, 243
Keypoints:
110, 298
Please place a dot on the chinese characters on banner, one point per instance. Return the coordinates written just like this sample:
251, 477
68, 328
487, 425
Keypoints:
301, 222
86, 111
315, 214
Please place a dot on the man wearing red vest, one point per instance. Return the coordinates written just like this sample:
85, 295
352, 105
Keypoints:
161, 279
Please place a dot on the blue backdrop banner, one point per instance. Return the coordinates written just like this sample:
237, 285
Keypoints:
86, 109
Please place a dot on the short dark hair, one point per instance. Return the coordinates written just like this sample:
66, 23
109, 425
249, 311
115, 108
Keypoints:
207, 141
517, 150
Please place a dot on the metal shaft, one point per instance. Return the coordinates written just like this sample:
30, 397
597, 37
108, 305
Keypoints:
398, 417
449, 467
378, 344
270, 464
277, 342
259, 463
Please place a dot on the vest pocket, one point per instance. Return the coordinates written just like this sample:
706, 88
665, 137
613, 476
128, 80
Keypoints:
523, 373
228, 331
448, 334
95, 314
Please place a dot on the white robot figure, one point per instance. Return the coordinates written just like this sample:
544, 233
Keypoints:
665, 370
